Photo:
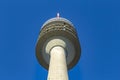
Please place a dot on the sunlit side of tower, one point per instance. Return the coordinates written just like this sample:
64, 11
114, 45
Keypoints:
58, 48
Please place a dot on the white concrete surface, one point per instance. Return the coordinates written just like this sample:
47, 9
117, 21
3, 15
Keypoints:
57, 66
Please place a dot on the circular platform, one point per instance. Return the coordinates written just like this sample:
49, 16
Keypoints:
54, 32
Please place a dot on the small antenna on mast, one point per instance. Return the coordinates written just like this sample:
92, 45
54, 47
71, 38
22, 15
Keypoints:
58, 15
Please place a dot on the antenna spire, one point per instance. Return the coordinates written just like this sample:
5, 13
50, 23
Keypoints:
58, 15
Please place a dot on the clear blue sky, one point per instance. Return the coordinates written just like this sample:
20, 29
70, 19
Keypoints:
98, 26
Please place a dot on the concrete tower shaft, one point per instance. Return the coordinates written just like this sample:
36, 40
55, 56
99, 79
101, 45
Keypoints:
58, 32
57, 66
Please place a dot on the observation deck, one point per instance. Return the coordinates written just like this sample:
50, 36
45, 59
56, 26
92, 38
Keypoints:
58, 32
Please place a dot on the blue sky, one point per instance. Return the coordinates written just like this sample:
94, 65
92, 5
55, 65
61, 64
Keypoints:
98, 26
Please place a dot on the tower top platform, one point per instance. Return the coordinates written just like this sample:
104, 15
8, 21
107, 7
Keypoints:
58, 19
58, 31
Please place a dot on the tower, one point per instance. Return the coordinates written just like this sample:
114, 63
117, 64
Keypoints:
58, 48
